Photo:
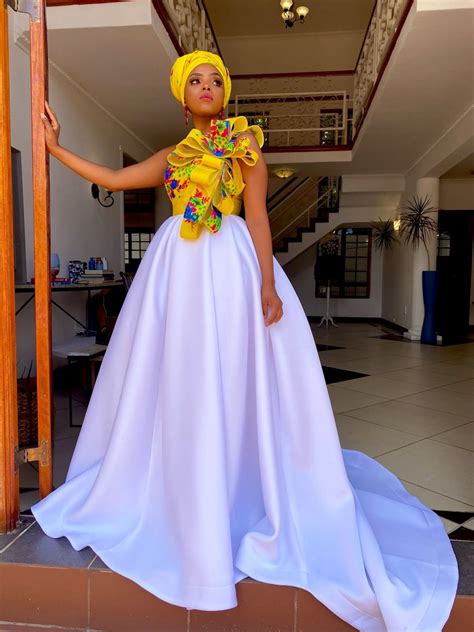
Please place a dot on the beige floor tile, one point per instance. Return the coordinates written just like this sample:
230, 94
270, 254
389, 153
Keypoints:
378, 385
441, 399
434, 500
372, 439
421, 375
462, 370
463, 437
442, 468
469, 524
343, 354
466, 387
380, 364
418, 420
342, 399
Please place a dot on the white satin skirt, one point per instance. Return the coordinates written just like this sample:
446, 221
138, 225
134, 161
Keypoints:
209, 452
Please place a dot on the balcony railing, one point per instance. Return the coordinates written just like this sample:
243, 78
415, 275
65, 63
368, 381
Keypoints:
384, 23
298, 119
188, 23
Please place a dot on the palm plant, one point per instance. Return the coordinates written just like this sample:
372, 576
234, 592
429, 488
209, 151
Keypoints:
416, 225
383, 234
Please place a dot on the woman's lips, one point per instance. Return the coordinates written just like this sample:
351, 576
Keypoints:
206, 98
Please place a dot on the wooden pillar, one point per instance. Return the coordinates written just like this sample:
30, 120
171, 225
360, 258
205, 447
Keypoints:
9, 481
42, 247
10, 456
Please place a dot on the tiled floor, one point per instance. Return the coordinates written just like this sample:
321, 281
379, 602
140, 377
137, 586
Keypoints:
408, 405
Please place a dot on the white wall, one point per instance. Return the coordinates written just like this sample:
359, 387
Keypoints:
80, 227
300, 272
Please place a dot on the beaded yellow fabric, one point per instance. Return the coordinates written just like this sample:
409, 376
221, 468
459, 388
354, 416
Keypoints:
203, 178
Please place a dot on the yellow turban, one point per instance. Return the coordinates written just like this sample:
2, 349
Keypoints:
184, 65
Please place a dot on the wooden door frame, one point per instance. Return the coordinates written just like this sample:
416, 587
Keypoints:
10, 456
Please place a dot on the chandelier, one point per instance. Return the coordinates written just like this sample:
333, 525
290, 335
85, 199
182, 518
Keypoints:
289, 16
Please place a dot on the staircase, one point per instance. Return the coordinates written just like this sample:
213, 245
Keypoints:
309, 202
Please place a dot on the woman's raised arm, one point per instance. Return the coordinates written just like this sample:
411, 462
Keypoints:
148, 173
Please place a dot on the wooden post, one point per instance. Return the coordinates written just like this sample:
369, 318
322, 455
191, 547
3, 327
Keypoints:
42, 248
9, 479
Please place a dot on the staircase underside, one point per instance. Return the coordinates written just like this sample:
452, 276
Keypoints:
44, 582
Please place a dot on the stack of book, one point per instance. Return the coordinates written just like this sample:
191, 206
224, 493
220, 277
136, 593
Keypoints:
96, 276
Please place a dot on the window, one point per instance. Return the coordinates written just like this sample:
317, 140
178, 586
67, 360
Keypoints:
347, 266
135, 244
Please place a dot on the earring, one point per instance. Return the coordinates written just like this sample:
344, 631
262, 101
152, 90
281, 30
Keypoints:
186, 115
221, 113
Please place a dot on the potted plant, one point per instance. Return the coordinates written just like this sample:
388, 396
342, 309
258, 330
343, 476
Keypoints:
384, 234
418, 228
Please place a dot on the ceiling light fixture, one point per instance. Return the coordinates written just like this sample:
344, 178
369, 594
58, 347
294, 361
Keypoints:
284, 172
289, 16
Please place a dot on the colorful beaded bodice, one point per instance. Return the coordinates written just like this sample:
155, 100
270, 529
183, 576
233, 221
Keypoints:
203, 178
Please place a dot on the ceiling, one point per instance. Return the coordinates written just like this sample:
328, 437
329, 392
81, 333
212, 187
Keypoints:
247, 17
122, 59
422, 94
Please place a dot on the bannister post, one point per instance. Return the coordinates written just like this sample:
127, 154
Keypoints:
9, 475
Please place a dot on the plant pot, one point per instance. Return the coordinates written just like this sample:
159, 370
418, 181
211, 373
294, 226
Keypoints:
430, 288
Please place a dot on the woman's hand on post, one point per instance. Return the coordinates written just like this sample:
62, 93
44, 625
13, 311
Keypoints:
52, 128
272, 305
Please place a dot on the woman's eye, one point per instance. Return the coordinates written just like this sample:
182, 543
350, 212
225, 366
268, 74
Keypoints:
216, 81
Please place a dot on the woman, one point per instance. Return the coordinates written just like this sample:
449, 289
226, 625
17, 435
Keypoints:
209, 450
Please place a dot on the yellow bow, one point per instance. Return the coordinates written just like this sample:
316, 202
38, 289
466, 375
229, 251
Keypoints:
216, 171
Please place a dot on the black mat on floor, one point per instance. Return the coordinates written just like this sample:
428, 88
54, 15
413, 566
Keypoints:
332, 374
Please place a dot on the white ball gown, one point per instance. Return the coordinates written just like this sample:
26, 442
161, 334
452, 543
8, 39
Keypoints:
209, 452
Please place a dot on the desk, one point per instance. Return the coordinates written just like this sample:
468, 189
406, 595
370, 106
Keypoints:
80, 348
72, 287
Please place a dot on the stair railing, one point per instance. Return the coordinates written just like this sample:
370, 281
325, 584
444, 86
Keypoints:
323, 201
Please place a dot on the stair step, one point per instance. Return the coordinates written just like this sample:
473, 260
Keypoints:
100, 600
45, 582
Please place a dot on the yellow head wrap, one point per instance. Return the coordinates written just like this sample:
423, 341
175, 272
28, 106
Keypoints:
185, 64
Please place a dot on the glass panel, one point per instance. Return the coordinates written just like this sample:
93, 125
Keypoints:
361, 291
349, 276
349, 291
350, 263
351, 238
362, 263
351, 250
363, 251
135, 236
145, 238
135, 255
361, 277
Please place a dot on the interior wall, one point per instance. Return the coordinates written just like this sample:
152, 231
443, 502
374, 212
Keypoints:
456, 194
80, 227
300, 271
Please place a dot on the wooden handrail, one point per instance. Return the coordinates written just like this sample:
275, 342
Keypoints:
9, 472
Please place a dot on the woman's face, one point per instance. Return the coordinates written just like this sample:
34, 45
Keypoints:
204, 91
